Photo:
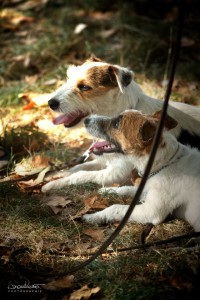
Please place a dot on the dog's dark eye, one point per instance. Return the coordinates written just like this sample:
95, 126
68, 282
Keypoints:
116, 122
83, 87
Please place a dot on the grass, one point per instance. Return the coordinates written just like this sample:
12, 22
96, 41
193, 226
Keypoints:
137, 274
38, 52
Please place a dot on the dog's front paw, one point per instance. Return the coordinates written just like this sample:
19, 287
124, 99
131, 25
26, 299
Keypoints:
56, 175
114, 213
92, 219
47, 187
120, 191
102, 217
54, 185
108, 190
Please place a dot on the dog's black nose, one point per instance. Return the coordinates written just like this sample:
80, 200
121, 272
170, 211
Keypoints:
87, 121
53, 103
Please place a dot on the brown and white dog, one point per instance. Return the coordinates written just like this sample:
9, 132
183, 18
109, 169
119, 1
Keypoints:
173, 183
97, 87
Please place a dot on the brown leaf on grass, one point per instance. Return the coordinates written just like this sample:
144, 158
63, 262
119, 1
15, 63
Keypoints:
84, 293
5, 253
31, 4
60, 283
79, 28
5, 259
20, 58
187, 42
80, 213
26, 184
40, 161
57, 203
50, 82
96, 234
95, 202
22, 33
39, 245
34, 99
81, 247
97, 15
32, 165
31, 183
12, 19
92, 250
108, 33
31, 79
35, 145
180, 283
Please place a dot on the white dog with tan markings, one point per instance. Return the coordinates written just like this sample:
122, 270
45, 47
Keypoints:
97, 87
173, 183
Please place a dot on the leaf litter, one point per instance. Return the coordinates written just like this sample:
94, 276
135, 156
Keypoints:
60, 283
57, 203
84, 293
39, 117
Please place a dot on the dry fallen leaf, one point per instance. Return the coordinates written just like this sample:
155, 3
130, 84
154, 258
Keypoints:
31, 183
60, 283
32, 165
81, 247
35, 99
5, 259
95, 202
108, 33
180, 283
31, 4
23, 169
97, 15
12, 19
79, 28
50, 82
40, 161
41, 175
31, 79
35, 145
84, 293
187, 42
80, 213
5, 253
57, 203
96, 234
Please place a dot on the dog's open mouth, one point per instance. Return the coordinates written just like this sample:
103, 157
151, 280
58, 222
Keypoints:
101, 147
70, 120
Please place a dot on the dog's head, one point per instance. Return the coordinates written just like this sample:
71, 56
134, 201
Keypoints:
130, 133
90, 88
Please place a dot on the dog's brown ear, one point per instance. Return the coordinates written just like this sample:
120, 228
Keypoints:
123, 76
93, 58
147, 130
169, 122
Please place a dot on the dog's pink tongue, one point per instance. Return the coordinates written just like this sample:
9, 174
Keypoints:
62, 119
68, 119
98, 145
